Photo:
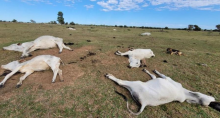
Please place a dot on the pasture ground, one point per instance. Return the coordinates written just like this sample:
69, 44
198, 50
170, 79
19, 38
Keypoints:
85, 91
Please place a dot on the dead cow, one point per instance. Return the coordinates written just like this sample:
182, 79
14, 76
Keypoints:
136, 56
43, 42
162, 90
39, 63
174, 51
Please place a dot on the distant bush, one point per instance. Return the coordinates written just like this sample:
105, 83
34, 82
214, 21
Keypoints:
32, 21
14, 20
52, 22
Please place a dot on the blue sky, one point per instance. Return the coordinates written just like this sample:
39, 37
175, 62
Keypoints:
153, 13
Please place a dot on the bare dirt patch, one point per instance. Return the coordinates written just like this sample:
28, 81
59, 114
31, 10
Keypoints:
42, 80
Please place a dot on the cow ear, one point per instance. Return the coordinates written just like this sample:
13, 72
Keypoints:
19, 44
22, 60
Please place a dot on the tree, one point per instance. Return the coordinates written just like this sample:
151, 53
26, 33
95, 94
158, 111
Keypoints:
72, 23
14, 20
218, 27
32, 21
166, 28
190, 27
60, 18
197, 28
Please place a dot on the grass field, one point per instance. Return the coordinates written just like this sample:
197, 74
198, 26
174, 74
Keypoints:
85, 91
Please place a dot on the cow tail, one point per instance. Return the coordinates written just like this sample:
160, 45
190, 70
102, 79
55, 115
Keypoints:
125, 98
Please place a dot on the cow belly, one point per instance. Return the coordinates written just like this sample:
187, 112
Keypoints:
35, 66
46, 45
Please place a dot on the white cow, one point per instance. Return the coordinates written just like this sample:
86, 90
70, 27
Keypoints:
162, 90
43, 42
136, 56
70, 28
39, 63
146, 33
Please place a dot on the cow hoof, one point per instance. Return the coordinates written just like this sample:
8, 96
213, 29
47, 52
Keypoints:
18, 86
30, 55
1, 86
116, 53
107, 75
62, 80
129, 67
59, 52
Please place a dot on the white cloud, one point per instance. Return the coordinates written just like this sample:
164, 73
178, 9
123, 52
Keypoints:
121, 5
89, 6
178, 4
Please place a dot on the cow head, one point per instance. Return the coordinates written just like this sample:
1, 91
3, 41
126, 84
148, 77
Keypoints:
10, 66
152, 54
14, 47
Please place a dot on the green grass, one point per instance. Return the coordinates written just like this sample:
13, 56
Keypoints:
92, 95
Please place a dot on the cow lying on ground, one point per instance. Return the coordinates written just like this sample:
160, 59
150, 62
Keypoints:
39, 63
174, 51
162, 90
146, 33
136, 56
43, 42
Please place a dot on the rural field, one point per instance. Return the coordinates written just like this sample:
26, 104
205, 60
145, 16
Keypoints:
86, 93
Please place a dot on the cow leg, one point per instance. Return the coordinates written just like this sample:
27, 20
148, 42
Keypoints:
151, 75
121, 54
123, 83
68, 48
25, 52
161, 75
22, 78
171, 53
8, 76
143, 63
31, 49
55, 69
60, 47
61, 75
